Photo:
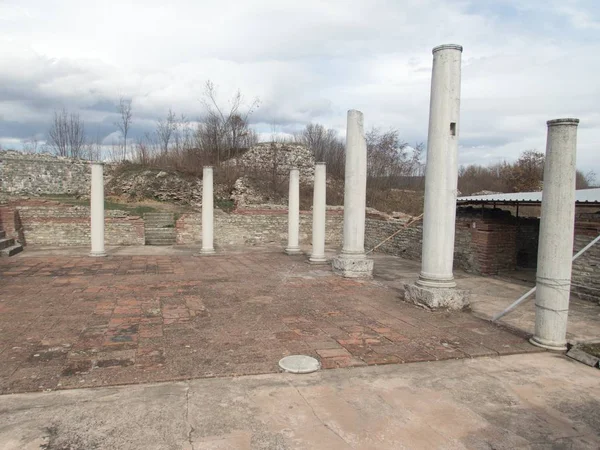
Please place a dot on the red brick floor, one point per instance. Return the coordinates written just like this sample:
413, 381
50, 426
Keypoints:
75, 322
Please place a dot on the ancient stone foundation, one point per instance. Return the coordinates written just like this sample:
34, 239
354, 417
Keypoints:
436, 298
352, 266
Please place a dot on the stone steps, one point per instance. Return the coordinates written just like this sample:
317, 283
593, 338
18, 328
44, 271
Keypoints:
153, 241
8, 246
6, 242
159, 228
12, 250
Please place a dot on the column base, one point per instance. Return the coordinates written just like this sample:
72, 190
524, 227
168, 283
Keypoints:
436, 298
428, 281
207, 251
548, 345
293, 251
317, 260
97, 254
352, 266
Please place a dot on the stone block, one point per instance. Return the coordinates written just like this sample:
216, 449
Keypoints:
352, 267
583, 357
436, 298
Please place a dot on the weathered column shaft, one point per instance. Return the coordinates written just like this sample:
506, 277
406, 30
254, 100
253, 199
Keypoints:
555, 248
352, 261
319, 214
294, 213
435, 287
97, 209
355, 185
207, 211
441, 173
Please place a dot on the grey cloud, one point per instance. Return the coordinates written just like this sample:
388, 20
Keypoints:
308, 62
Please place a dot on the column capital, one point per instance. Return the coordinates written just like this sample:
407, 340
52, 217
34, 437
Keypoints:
447, 47
565, 121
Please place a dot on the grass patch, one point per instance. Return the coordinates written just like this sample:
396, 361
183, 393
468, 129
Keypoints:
136, 210
224, 204
592, 349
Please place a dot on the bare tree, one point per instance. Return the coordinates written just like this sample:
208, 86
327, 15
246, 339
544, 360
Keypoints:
124, 122
525, 174
142, 150
326, 145
227, 130
66, 136
92, 149
164, 131
30, 144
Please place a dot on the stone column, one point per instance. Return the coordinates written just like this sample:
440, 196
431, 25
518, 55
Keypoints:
319, 215
555, 250
207, 211
294, 213
97, 209
352, 261
435, 287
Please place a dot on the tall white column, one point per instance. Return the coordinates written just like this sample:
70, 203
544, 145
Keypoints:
294, 213
555, 248
319, 215
352, 261
97, 209
207, 211
434, 287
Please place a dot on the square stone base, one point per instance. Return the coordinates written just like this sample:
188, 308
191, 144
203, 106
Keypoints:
436, 298
350, 267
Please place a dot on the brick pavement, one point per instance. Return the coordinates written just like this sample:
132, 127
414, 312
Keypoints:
69, 322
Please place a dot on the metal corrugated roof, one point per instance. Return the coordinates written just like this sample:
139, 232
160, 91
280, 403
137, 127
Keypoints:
581, 196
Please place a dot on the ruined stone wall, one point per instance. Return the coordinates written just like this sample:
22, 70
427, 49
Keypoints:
481, 245
257, 227
53, 224
495, 243
408, 242
272, 158
585, 277
35, 174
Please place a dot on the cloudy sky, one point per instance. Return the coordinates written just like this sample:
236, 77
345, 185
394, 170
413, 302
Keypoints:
524, 62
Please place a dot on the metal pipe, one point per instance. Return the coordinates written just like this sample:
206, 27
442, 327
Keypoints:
528, 293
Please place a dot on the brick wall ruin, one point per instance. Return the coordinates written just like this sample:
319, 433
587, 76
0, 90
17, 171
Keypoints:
492, 242
257, 227
47, 223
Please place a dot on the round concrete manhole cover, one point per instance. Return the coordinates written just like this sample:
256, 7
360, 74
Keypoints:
299, 364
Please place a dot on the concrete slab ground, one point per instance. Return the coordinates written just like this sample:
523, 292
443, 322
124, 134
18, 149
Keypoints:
534, 401
493, 294
69, 321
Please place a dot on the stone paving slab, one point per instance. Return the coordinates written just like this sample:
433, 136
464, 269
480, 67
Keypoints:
539, 401
69, 322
